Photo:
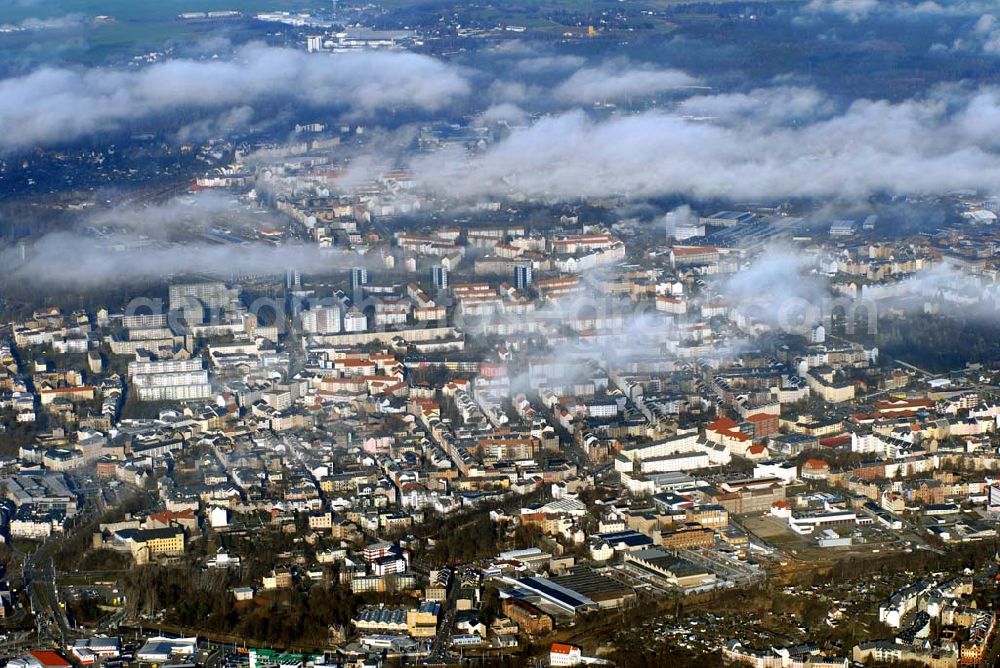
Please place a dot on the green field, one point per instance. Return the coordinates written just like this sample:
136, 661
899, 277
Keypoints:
144, 11
138, 27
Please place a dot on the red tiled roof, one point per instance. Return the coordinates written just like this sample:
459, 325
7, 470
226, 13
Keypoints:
49, 658
166, 516
722, 424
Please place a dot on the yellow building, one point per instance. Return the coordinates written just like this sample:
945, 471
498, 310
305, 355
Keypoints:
147, 543
422, 622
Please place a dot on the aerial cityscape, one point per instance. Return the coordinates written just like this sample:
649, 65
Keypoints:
526, 333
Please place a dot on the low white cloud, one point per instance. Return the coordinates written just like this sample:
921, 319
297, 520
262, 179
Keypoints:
71, 259
983, 38
506, 112
178, 237
778, 288
855, 10
32, 24
546, 64
53, 105
619, 80
781, 104
944, 141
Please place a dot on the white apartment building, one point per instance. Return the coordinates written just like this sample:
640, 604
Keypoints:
170, 380
325, 320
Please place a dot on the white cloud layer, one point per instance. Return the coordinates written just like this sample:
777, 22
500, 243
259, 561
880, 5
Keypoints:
781, 143
53, 105
619, 80
856, 10
69, 259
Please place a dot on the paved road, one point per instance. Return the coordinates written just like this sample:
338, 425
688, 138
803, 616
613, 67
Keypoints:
39, 581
